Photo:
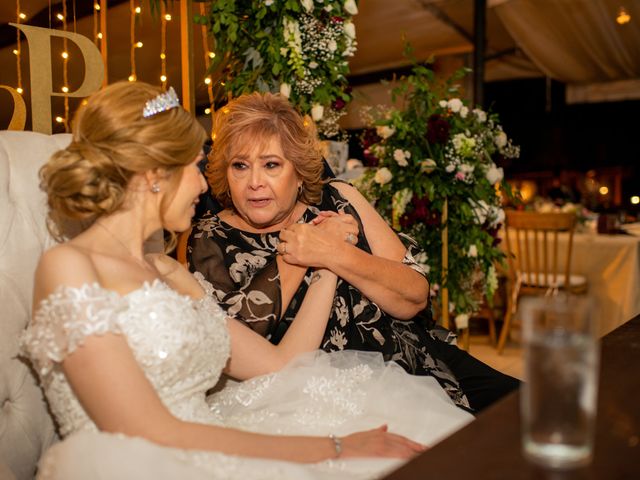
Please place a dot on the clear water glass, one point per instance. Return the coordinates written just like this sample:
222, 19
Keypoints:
559, 395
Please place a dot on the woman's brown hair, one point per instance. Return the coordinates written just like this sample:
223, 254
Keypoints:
256, 118
111, 143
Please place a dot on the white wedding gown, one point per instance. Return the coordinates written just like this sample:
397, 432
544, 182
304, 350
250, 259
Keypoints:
182, 345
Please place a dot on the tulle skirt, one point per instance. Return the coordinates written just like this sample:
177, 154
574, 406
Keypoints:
317, 394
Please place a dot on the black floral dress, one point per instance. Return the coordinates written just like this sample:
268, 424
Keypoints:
243, 270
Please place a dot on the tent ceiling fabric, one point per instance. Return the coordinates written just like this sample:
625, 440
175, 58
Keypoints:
576, 41
570, 40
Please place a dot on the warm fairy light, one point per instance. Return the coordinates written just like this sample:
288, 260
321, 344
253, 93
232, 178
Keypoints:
623, 16
22, 16
15, 51
207, 111
19, 90
65, 55
603, 190
635, 200
65, 89
96, 6
167, 17
59, 119
60, 17
132, 78
163, 78
163, 56
222, 83
212, 55
139, 45
138, 10
207, 81
100, 35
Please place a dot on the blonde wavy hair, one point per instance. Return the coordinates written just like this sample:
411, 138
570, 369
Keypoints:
256, 118
111, 143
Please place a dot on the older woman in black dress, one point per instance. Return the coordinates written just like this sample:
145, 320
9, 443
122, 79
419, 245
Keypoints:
282, 225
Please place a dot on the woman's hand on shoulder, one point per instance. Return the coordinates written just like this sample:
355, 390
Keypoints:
379, 442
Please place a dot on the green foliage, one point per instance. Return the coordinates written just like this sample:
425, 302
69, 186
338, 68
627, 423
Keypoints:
299, 48
436, 150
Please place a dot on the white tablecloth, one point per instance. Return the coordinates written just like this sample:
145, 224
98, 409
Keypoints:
611, 264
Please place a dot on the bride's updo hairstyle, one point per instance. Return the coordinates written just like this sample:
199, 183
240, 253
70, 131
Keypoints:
112, 142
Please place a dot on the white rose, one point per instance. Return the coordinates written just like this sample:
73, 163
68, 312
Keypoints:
450, 168
473, 251
494, 174
455, 104
333, 46
383, 175
462, 321
313, 65
385, 131
480, 114
349, 29
500, 139
466, 168
351, 7
268, 3
401, 156
428, 165
307, 4
317, 111
464, 111
480, 211
285, 89
328, 8
443, 103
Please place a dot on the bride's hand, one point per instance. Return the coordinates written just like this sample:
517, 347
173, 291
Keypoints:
379, 443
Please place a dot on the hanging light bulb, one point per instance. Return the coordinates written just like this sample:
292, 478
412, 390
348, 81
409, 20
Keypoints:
635, 200
163, 56
623, 16
138, 10
212, 55
22, 16
207, 111
65, 55
132, 78
15, 51
65, 89
167, 17
163, 78
60, 17
100, 35
96, 6
59, 119
207, 80
19, 90
139, 45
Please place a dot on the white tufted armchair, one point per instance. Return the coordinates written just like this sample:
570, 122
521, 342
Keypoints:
26, 428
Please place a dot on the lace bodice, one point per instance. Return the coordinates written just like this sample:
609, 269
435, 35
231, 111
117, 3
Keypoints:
181, 344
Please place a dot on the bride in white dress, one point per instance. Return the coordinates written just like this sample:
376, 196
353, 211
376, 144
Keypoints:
129, 345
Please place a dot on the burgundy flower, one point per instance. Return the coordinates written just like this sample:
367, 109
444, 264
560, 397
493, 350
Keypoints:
337, 19
437, 129
419, 212
338, 104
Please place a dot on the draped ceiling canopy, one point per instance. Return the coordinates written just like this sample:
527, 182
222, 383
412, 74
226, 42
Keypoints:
577, 42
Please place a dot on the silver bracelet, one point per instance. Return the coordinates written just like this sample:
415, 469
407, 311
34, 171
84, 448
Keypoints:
337, 444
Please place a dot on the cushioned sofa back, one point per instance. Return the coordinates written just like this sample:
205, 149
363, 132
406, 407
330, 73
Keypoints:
26, 429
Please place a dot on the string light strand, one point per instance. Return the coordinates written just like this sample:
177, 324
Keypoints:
18, 50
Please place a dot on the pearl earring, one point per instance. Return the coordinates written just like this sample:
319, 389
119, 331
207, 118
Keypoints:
155, 188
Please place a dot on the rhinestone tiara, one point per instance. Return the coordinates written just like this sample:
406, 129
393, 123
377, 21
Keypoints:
161, 103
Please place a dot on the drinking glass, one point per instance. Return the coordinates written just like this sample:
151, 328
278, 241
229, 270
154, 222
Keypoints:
559, 395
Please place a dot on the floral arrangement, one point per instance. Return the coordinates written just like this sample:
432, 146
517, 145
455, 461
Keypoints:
299, 48
435, 150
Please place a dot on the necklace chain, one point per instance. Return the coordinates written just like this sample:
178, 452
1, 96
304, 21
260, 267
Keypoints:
143, 263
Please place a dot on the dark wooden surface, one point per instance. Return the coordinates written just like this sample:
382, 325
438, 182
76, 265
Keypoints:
489, 448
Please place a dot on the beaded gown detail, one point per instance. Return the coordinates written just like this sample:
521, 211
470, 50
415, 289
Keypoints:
182, 346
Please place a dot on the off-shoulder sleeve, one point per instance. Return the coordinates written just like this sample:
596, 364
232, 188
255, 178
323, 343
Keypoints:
65, 319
